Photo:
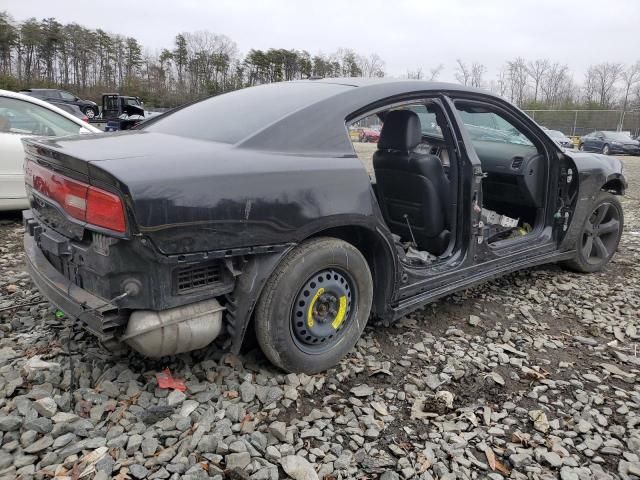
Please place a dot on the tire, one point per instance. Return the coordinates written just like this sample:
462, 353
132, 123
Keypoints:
90, 112
581, 147
600, 235
289, 323
606, 150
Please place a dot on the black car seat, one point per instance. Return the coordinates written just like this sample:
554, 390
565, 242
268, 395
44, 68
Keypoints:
412, 187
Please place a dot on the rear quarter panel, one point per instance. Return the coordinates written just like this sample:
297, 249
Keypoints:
234, 198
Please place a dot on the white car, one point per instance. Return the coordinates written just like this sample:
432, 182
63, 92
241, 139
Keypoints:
24, 116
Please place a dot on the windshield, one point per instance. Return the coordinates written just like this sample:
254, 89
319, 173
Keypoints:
490, 127
230, 117
622, 137
555, 134
133, 101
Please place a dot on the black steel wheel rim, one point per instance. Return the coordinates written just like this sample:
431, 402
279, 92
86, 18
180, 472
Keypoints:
601, 234
323, 310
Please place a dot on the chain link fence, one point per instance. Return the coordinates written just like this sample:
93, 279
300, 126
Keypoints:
581, 122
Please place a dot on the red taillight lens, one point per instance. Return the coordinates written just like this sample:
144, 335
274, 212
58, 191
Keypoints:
105, 209
81, 201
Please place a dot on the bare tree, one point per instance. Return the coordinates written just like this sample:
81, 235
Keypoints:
517, 80
371, 66
477, 72
499, 86
630, 77
537, 70
416, 74
434, 73
553, 84
463, 73
589, 86
604, 77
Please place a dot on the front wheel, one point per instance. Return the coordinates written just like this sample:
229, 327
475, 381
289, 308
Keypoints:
581, 147
314, 306
600, 235
606, 150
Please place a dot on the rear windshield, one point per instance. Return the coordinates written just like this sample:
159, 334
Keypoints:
236, 115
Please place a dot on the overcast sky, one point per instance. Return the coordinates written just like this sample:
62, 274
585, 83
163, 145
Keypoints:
406, 34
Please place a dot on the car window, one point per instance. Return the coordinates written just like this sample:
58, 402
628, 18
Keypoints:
619, 136
428, 122
67, 96
486, 126
233, 116
19, 116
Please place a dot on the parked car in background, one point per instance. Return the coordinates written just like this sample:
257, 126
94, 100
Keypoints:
369, 135
53, 95
72, 109
24, 116
609, 142
245, 210
560, 138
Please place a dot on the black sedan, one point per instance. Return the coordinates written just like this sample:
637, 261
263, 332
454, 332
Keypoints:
56, 96
253, 208
609, 143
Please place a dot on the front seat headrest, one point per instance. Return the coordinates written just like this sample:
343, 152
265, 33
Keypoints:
401, 131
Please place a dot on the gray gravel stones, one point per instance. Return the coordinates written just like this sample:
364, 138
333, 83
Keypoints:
531, 377
298, 468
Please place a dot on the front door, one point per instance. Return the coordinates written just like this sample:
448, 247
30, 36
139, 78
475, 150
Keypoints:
519, 168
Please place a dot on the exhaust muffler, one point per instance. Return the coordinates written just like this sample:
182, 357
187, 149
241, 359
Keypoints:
175, 330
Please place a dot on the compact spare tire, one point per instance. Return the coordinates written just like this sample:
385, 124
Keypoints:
314, 306
600, 235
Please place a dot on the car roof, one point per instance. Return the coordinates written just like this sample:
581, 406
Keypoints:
329, 113
406, 85
40, 90
49, 106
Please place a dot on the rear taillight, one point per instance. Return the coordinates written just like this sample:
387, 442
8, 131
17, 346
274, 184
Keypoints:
85, 119
80, 200
105, 209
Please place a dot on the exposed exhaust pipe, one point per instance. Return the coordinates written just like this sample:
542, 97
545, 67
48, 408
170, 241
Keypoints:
175, 330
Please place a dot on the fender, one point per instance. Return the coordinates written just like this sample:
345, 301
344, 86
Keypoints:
242, 300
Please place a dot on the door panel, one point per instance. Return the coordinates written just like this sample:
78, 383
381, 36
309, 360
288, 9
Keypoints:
11, 159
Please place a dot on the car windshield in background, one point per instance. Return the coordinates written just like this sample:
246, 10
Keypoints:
428, 122
555, 133
489, 127
618, 136
233, 116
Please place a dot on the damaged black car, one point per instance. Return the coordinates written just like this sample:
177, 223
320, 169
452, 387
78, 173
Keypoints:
254, 209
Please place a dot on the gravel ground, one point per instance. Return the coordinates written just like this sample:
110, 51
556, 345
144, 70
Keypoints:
534, 375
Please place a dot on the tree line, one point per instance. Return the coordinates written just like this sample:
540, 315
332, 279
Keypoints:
47, 53
543, 84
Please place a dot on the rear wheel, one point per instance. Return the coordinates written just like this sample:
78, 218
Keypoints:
581, 147
600, 235
606, 150
314, 306
91, 112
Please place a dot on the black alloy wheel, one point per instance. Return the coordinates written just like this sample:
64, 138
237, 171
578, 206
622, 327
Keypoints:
600, 235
